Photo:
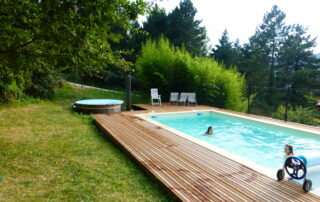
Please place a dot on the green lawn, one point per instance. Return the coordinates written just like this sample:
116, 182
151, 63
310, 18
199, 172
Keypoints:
48, 152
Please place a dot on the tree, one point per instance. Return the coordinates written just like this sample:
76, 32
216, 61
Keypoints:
252, 65
277, 55
268, 39
179, 26
296, 55
41, 37
185, 31
157, 23
226, 51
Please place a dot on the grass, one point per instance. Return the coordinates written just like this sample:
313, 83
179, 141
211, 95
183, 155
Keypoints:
48, 152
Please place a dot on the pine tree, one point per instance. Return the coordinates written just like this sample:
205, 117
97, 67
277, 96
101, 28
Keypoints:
280, 54
179, 26
296, 52
281, 49
226, 51
157, 23
268, 39
185, 31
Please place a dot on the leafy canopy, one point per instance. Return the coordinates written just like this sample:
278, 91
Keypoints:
44, 36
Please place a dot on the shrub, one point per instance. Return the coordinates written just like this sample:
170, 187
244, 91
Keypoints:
36, 81
170, 69
42, 84
10, 92
298, 114
11, 82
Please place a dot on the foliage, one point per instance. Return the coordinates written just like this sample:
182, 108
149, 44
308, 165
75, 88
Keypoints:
185, 30
276, 55
180, 27
44, 36
227, 52
266, 42
311, 99
305, 114
157, 23
298, 114
42, 84
171, 69
281, 50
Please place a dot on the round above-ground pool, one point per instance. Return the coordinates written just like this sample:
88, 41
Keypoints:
97, 106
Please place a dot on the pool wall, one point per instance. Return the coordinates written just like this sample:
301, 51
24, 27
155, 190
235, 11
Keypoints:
98, 106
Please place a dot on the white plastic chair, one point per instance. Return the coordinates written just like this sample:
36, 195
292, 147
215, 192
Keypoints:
174, 98
155, 96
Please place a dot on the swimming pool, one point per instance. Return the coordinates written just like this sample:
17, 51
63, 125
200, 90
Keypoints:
255, 141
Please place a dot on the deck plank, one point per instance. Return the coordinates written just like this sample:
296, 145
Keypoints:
188, 170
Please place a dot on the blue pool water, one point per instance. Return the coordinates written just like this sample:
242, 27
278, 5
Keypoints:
259, 142
99, 102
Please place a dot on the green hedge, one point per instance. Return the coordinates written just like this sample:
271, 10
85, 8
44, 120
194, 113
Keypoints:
171, 69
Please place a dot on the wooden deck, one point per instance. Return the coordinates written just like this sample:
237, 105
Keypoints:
188, 170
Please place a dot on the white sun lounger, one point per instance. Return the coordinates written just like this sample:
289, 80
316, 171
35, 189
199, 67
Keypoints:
192, 98
183, 98
174, 98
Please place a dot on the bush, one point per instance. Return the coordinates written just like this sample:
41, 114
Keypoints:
42, 84
10, 92
11, 81
170, 69
298, 114
36, 81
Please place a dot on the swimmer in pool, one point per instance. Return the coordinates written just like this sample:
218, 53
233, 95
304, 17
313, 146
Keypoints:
209, 131
288, 149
